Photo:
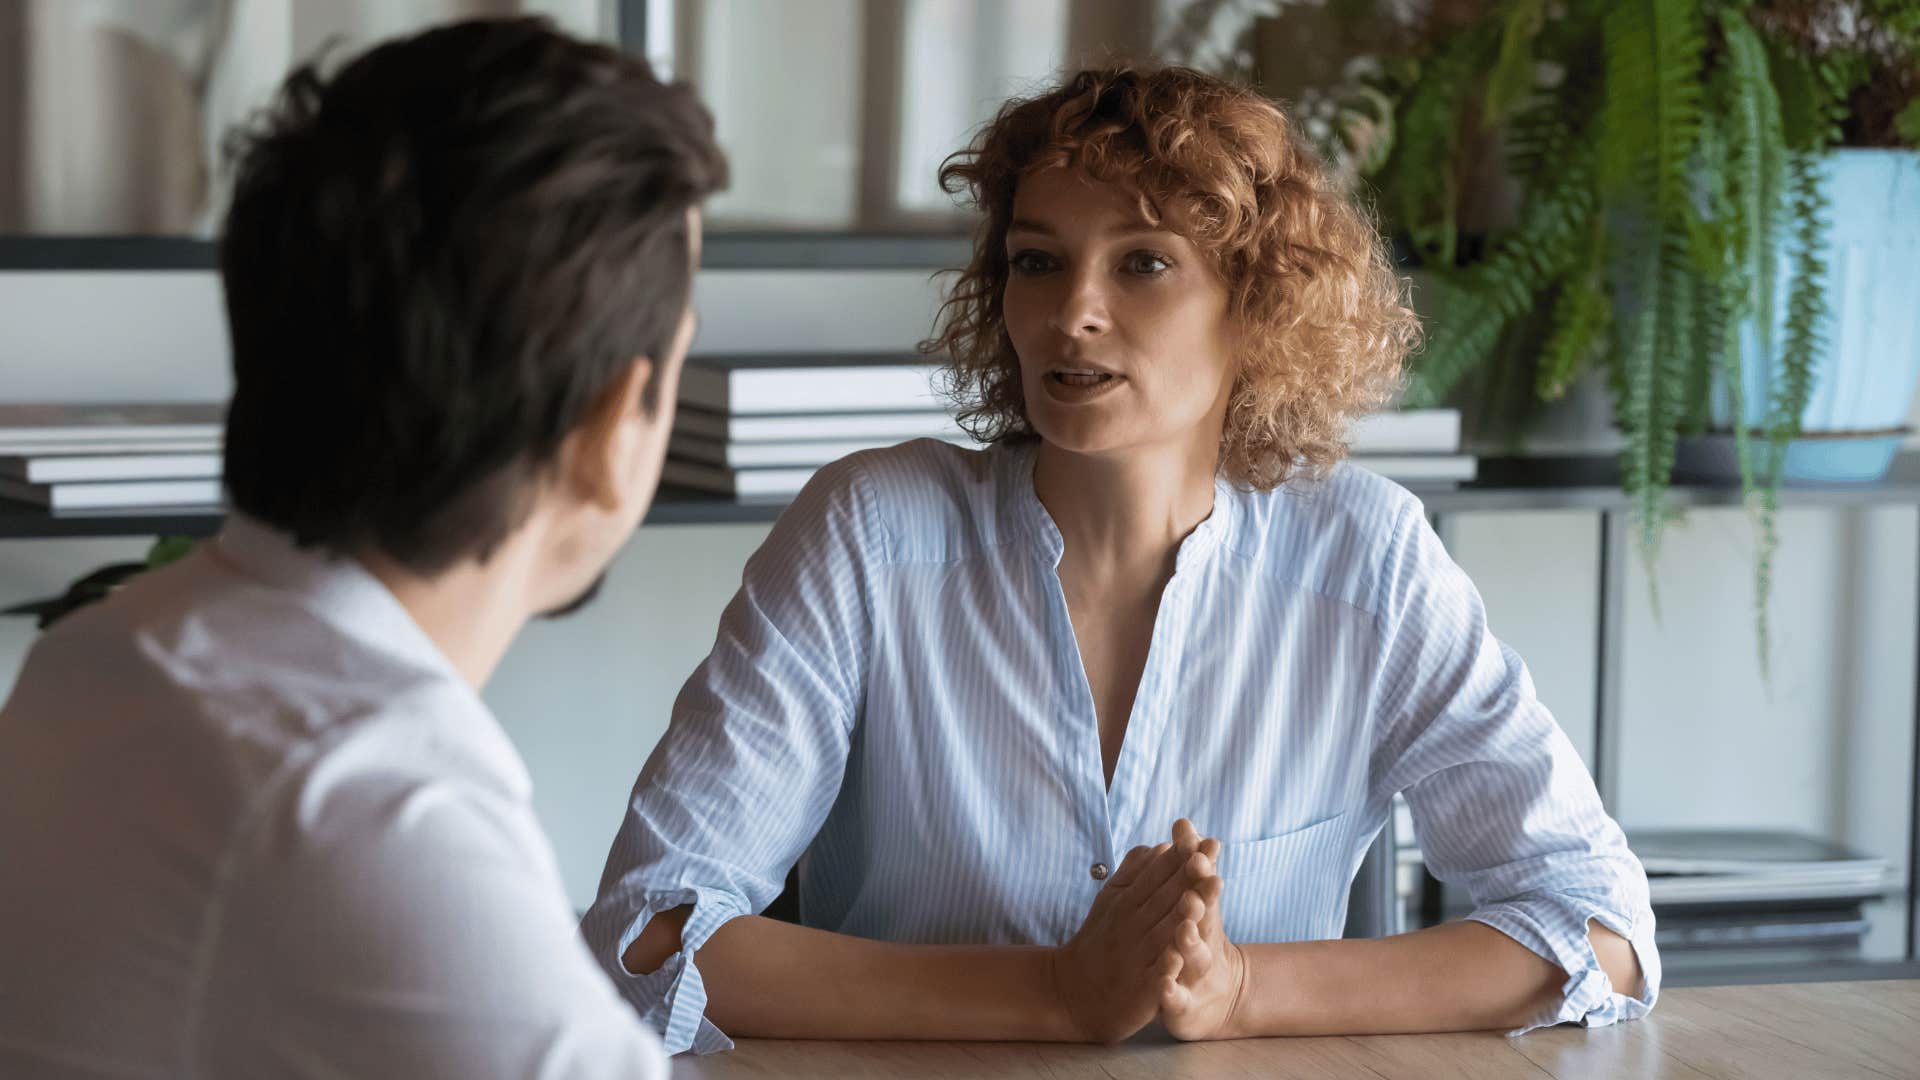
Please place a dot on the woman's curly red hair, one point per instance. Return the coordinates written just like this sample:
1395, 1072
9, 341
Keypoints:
1321, 312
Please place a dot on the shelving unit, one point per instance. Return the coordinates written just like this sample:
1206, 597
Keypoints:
1504, 485
20, 521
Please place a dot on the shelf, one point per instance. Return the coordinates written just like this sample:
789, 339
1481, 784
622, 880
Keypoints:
21, 521
1593, 483
1676, 972
1515, 483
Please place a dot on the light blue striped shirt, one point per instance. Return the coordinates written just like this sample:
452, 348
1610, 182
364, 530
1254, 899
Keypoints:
895, 699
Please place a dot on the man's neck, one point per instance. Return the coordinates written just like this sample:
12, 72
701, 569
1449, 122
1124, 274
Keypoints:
471, 611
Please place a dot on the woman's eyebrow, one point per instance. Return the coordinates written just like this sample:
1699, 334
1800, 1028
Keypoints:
1028, 225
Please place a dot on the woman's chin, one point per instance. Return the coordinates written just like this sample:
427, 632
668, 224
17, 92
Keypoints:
1082, 437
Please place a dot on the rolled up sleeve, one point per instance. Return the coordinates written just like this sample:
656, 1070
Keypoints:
1501, 801
753, 758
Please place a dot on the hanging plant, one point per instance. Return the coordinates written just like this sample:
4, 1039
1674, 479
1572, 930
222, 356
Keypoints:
1667, 152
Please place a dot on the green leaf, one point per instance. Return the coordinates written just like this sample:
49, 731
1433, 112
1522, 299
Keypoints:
1906, 123
169, 549
1512, 78
1422, 169
1756, 171
1809, 109
1479, 303
1651, 125
1580, 316
1805, 341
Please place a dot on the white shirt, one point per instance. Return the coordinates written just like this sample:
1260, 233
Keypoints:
252, 823
896, 699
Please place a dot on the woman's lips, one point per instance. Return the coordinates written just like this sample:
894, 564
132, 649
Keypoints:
1073, 387
1081, 378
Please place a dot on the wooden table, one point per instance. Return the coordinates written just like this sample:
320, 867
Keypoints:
1805, 1031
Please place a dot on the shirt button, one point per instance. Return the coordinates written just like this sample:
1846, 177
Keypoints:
1099, 871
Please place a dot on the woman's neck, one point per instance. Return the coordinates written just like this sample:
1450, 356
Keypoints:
1125, 515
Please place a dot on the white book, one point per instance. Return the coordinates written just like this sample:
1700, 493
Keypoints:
837, 427
694, 449
1411, 431
1741, 888
1407, 431
1420, 468
1747, 851
749, 385
55, 423
79, 447
55, 470
772, 482
100, 496
740, 483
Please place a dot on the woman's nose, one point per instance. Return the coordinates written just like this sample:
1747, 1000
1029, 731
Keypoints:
1082, 310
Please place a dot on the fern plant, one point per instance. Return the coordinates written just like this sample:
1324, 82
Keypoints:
1665, 149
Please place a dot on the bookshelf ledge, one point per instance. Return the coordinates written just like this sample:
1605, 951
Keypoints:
1504, 484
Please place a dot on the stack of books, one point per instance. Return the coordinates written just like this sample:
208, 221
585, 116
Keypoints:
1730, 896
1686, 866
758, 427
84, 457
1722, 898
1414, 447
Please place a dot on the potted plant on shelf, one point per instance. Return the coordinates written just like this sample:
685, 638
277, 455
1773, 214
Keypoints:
99, 584
1716, 203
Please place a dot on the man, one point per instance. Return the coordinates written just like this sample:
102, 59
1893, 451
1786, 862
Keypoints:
254, 818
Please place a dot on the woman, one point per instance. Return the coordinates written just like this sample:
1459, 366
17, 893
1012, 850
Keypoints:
965, 684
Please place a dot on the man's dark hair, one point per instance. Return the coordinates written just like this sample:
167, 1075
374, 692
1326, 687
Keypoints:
435, 262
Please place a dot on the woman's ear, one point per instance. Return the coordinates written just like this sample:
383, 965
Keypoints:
603, 456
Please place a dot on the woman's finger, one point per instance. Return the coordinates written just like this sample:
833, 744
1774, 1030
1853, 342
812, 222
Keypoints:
1196, 959
1171, 963
1211, 890
1185, 835
1154, 904
1175, 998
1118, 892
1158, 936
1161, 865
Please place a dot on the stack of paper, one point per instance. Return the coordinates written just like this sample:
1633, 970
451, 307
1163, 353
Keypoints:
69, 457
759, 427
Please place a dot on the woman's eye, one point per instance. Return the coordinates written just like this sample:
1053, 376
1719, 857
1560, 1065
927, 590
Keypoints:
1147, 263
1031, 262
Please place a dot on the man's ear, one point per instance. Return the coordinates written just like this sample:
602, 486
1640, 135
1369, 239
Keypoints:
604, 450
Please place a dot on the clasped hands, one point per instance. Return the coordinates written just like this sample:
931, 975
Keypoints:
1153, 946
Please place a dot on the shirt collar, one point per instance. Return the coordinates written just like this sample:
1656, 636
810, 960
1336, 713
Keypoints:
1030, 516
336, 589
340, 592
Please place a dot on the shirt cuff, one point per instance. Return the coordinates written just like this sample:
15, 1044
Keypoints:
1554, 925
673, 998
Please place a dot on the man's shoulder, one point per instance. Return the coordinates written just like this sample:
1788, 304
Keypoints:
199, 661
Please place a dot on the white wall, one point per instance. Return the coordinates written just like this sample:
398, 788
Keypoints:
586, 698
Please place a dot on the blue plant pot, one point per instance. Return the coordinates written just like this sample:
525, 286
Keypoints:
1863, 388
1831, 458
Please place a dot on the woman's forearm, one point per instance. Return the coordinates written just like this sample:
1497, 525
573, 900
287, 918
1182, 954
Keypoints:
1460, 976
769, 979
774, 980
